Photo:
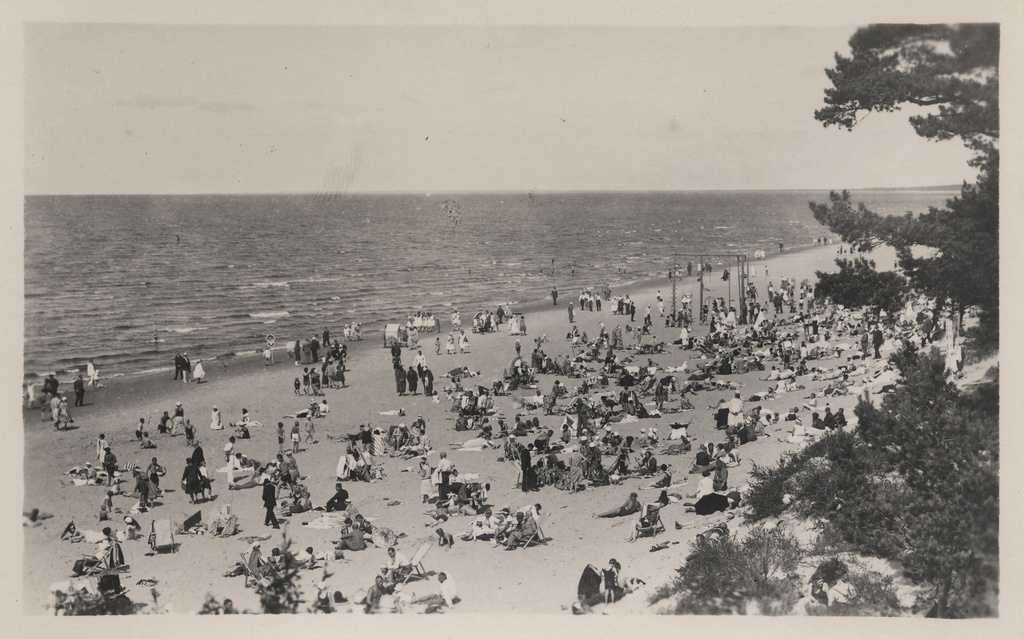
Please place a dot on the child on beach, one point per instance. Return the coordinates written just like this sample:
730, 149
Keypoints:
437, 345
310, 429
295, 437
280, 437
298, 386
305, 381
190, 433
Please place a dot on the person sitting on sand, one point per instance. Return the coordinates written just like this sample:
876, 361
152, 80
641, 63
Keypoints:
664, 480
339, 502
484, 526
447, 595
629, 507
107, 506
648, 464
352, 537
146, 442
373, 596
163, 427
704, 487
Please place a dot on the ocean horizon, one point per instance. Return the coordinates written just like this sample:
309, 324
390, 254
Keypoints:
128, 280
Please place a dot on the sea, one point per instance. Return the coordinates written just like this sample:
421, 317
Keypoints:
129, 280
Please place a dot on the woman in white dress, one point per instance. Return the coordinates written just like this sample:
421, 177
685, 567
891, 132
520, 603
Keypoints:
450, 348
463, 343
215, 421
198, 373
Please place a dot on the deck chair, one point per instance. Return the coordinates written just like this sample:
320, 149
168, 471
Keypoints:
536, 538
416, 564
649, 523
161, 535
253, 565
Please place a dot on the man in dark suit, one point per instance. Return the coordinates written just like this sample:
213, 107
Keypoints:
79, 387
270, 502
179, 363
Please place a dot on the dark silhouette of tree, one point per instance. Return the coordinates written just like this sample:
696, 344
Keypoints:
858, 284
950, 254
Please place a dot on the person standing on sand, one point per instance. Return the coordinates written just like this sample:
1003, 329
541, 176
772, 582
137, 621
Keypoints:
411, 379
450, 349
94, 375
445, 467
79, 387
428, 382
215, 420
101, 445
437, 345
109, 464
63, 417
310, 428
270, 503
179, 365
297, 351
155, 471
199, 372
295, 437
572, 316
877, 339
280, 437
399, 378
554, 295
178, 421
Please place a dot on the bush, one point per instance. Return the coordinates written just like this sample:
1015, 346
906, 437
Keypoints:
755, 575
821, 477
873, 595
918, 481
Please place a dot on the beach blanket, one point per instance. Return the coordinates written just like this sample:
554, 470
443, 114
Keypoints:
325, 521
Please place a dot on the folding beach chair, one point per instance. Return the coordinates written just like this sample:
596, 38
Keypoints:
650, 523
536, 538
416, 564
191, 522
161, 535
253, 565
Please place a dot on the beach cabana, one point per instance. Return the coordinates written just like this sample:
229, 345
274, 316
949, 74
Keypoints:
395, 334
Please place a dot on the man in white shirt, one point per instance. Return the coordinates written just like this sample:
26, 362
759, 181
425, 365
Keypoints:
398, 564
448, 594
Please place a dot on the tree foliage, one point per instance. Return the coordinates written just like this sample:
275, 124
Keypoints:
917, 482
951, 67
951, 253
945, 446
858, 284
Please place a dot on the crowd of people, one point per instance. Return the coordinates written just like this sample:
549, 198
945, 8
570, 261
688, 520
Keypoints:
582, 435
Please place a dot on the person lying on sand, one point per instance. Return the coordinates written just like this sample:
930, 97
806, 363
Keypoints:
629, 507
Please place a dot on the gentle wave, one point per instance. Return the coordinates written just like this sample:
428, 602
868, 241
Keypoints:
198, 297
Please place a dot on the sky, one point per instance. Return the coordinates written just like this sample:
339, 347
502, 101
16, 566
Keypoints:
135, 108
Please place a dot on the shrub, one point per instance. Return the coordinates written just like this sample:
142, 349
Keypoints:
755, 575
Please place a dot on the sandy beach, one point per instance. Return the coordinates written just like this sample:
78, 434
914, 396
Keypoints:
540, 579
